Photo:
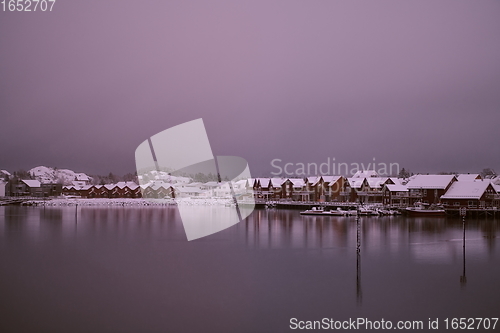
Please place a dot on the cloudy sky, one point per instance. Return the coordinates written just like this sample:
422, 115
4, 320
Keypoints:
412, 82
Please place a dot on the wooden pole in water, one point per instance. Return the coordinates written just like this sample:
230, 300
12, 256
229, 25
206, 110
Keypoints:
463, 278
358, 258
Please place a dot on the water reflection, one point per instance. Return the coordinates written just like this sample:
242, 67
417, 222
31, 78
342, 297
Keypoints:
431, 240
359, 292
463, 277
426, 240
255, 276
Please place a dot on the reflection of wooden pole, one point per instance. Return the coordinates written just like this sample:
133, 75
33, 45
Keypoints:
358, 259
463, 278
76, 213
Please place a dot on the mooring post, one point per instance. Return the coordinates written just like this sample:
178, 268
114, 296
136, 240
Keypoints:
463, 278
358, 257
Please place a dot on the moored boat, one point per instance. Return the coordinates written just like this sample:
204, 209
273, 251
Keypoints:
421, 209
319, 211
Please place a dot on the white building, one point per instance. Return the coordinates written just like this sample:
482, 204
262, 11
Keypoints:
2, 188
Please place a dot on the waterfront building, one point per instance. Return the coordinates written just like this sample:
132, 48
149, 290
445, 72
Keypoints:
294, 189
395, 195
24, 187
428, 188
478, 194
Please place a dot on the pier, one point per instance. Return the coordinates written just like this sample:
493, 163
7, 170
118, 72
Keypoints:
485, 212
307, 204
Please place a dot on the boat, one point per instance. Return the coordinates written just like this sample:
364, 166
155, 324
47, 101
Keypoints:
389, 212
319, 211
423, 209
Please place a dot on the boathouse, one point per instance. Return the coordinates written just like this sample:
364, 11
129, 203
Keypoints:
428, 188
477, 194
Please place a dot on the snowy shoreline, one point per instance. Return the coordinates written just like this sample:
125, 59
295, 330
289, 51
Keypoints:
139, 202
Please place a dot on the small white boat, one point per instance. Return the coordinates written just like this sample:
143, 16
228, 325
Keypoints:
368, 212
319, 211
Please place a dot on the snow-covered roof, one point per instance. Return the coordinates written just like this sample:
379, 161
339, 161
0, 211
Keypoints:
376, 182
130, 185
277, 182
365, 174
466, 190
397, 187
331, 179
5, 172
328, 179
264, 182
31, 182
468, 177
251, 182
397, 180
313, 180
82, 177
157, 185
355, 182
430, 181
297, 182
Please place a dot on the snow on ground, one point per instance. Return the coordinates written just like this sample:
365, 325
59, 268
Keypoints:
130, 202
99, 202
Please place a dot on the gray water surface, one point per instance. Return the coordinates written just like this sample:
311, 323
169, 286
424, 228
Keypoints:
93, 269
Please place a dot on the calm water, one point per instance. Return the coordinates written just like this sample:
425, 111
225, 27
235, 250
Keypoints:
132, 270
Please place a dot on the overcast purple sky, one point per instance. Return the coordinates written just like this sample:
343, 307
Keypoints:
412, 82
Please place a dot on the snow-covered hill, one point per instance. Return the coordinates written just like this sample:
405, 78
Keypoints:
64, 176
155, 176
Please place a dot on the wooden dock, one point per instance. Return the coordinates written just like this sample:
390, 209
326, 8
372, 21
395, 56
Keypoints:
485, 212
